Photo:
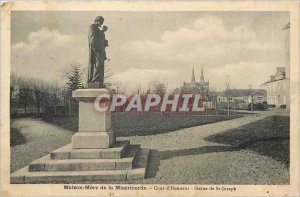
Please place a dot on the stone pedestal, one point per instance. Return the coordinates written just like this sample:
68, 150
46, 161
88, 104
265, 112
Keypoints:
94, 129
95, 85
93, 139
94, 153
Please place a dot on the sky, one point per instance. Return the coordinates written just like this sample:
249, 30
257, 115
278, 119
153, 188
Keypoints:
239, 48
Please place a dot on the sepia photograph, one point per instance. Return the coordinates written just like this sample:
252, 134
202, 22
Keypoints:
108, 100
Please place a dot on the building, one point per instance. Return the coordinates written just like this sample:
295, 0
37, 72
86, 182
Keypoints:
278, 86
241, 98
278, 89
201, 87
243, 95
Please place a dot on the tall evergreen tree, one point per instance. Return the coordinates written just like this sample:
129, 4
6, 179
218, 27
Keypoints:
73, 76
74, 81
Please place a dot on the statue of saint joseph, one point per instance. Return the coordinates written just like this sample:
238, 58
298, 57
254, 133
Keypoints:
97, 54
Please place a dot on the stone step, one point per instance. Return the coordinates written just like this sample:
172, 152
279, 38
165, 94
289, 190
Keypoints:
141, 164
48, 164
117, 151
24, 176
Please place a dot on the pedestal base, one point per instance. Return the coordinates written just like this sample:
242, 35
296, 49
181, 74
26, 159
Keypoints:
86, 140
95, 85
66, 165
93, 154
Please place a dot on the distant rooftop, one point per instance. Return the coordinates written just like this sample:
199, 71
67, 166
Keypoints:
244, 92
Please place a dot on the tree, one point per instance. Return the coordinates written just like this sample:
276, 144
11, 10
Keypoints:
13, 91
157, 87
107, 78
73, 76
13, 83
120, 88
25, 97
38, 98
228, 98
34, 94
74, 81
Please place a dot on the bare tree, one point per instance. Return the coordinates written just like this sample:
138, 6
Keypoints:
228, 98
13, 91
120, 88
251, 97
25, 95
33, 94
157, 87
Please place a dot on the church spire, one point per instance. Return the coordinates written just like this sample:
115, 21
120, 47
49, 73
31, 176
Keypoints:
193, 76
202, 76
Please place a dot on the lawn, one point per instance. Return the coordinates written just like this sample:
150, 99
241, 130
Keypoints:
147, 124
269, 136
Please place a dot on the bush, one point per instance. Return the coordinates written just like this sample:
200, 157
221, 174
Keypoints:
257, 106
16, 137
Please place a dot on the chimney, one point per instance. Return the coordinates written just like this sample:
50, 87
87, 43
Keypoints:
272, 78
280, 70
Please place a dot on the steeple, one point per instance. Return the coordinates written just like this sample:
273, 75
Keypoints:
202, 76
193, 76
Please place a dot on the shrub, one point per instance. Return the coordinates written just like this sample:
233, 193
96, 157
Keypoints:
16, 137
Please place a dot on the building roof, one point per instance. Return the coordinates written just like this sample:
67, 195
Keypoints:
287, 26
279, 75
244, 92
270, 81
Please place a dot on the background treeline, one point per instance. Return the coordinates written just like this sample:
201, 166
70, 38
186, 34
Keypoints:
35, 97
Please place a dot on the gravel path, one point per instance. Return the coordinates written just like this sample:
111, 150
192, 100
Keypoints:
41, 139
184, 157
179, 157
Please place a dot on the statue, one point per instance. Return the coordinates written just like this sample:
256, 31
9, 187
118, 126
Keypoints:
97, 54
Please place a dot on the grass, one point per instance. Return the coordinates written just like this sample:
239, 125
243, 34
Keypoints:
155, 123
269, 136
147, 124
16, 137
